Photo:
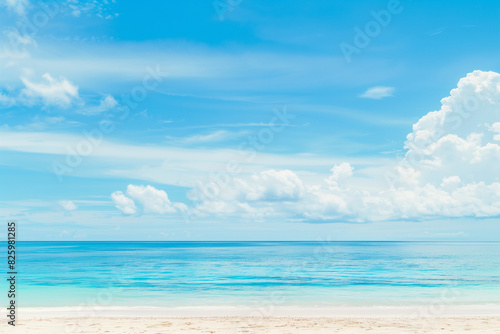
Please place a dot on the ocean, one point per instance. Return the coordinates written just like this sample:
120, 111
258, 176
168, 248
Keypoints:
291, 274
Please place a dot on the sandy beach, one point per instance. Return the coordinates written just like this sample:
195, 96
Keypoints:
234, 325
449, 319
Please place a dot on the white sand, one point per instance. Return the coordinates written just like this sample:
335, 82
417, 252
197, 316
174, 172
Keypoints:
450, 319
234, 325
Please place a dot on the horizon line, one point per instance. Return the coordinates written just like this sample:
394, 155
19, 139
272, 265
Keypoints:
324, 241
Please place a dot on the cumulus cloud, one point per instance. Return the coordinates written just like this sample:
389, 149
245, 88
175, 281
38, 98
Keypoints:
450, 182
327, 202
448, 171
274, 185
495, 128
67, 205
459, 139
340, 173
50, 91
123, 203
149, 200
377, 92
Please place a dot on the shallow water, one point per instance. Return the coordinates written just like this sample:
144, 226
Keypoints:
306, 274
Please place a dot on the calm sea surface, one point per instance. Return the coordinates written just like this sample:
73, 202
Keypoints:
317, 274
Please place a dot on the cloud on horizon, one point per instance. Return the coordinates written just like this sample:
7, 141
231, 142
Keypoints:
149, 200
446, 172
67, 205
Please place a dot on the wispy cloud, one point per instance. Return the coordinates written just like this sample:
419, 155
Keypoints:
216, 67
163, 164
212, 137
59, 92
44, 122
378, 92
107, 103
236, 125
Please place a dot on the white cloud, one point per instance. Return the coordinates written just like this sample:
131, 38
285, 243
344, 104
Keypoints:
59, 92
270, 185
322, 202
273, 185
448, 171
54, 92
340, 173
67, 205
149, 199
495, 128
450, 183
123, 203
107, 103
459, 139
377, 92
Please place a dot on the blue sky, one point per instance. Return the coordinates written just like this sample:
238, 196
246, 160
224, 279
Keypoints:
172, 92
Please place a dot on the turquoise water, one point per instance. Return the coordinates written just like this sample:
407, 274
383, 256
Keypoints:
244, 273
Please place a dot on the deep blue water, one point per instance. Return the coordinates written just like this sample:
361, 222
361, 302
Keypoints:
243, 273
